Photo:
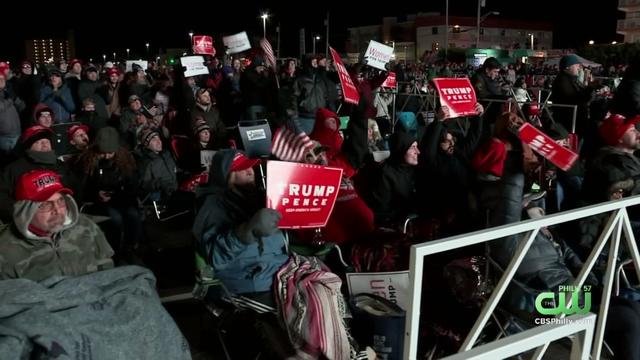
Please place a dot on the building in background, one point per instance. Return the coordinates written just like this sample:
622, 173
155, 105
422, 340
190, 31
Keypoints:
630, 25
46, 50
425, 33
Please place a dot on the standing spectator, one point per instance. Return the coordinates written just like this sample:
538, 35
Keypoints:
10, 108
58, 97
27, 87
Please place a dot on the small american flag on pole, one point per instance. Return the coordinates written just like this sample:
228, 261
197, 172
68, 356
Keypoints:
289, 146
268, 53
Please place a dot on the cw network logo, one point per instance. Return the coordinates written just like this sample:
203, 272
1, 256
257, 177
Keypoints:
554, 303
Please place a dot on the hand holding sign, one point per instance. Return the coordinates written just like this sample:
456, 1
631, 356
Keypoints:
458, 95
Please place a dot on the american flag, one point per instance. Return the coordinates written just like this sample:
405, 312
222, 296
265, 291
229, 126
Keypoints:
289, 146
268, 53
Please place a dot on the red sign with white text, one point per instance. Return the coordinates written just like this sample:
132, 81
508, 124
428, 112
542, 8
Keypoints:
458, 95
349, 90
203, 45
390, 81
304, 194
559, 155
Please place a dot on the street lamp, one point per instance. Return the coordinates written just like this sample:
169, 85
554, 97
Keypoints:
114, 56
264, 24
531, 37
104, 57
614, 42
315, 38
480, 20
147, 45
191, 39
127, 53
591, 42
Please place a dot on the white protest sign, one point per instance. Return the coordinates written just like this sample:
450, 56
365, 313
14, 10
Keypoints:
143, 64
378, 55
393, 286
237, 43
194, 66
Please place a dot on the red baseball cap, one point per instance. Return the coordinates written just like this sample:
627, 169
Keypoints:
72, 130
35, 133
113, 70
614, 126
39, 185
241, 162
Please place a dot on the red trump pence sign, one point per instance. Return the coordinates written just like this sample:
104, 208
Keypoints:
304, 194
458, 95
203, 45
349, 90
547, 147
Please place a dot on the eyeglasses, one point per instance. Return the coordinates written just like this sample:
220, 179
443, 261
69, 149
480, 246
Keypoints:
48, 206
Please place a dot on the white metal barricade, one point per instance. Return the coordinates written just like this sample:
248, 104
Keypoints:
617, 224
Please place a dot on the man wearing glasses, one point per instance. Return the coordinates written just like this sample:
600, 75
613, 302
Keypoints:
48, 235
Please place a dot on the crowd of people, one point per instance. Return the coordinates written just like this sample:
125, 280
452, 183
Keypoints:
134, 138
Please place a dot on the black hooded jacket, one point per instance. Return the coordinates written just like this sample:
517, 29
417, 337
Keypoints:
392, 186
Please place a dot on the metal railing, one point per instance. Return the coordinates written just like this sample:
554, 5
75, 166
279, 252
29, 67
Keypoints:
618, 222
581, 325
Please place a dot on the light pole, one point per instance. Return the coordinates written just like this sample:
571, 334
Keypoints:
480, 20
127, 54
315, 38
264, 25
114, 56
147, 45
104, 58
191, 39
531, 38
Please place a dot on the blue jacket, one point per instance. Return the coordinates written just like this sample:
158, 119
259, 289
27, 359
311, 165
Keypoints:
61, 102
239, 265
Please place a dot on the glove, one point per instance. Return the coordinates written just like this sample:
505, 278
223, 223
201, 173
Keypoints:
262, 223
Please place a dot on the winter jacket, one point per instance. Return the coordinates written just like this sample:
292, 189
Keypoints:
567, 91
239, 264
310, 93
60, 101
96, 91
27, 88
157, 173
217, 129
10, 108
78, 248
391, 194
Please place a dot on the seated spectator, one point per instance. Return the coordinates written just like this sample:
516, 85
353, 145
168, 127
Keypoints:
105, 177
90, 117
35, 153
48, 235
78, 137
391, 186
240, 239
156, 167
43, 116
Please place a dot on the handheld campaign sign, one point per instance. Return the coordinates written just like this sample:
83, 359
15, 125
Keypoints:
378, 55
547, 147
236, 43
349, 90
390, 81
256, 137
458, 95
194, 65
203, 45
304, 194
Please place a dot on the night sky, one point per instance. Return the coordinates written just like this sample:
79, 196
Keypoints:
109, 26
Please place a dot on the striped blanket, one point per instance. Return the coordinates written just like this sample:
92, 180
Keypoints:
312, 309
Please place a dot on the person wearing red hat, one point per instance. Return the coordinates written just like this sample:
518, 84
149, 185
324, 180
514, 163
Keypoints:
75, 69
113, 91
49, 236
78, 136
36, 152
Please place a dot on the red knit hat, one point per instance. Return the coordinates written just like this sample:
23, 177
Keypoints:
613, 128
39, 185
35, 133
